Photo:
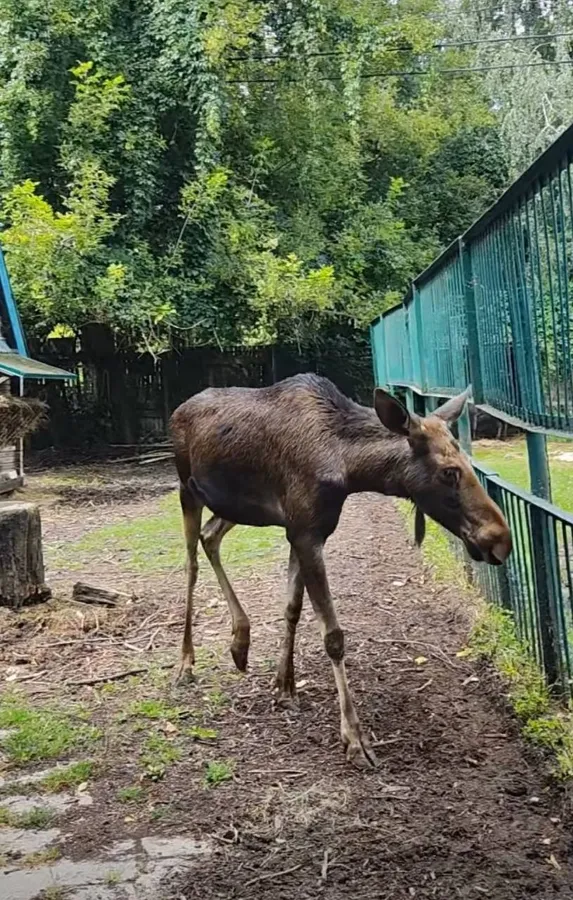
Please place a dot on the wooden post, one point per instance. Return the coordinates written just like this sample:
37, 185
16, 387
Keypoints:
21, 560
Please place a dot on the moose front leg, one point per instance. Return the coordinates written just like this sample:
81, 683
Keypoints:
285, 682
309, 552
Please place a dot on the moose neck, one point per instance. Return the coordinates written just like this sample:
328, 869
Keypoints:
376, 460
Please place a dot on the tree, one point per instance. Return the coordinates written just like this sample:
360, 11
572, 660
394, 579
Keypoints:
247, 172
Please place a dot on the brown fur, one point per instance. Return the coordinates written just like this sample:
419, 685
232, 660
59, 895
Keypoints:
290, 455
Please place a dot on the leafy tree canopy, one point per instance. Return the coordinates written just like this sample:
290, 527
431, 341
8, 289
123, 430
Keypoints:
245, 172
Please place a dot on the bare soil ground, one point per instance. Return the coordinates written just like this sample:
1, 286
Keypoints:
459, 807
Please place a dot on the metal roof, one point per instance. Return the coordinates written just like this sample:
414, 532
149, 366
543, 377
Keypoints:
14, 364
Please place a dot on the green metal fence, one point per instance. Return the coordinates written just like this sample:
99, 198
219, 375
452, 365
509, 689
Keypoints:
496, 310
536, 583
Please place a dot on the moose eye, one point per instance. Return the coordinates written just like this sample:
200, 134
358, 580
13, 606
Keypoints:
451, 475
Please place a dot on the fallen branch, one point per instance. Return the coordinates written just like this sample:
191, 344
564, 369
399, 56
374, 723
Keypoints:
86, 593
147, 460
273, 875
324, 870
116, 676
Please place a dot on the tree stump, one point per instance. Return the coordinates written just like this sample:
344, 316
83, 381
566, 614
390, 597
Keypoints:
21, 560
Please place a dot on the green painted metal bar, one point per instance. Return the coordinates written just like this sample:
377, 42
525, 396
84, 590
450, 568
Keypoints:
472, 330
539, 473
465, 430
410, 406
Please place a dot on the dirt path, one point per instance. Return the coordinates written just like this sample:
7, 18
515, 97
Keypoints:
459, 808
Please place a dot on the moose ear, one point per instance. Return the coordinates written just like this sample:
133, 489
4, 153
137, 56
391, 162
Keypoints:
452, 409
392, 414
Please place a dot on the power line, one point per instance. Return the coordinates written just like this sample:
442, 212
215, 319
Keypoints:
442, 45
402, 73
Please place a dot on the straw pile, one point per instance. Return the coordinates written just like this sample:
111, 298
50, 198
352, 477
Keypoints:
19, 417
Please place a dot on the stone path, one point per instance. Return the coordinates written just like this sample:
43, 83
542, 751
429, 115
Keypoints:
127, 870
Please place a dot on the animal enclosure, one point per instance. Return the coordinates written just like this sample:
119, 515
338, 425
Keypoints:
496, 310
237, 791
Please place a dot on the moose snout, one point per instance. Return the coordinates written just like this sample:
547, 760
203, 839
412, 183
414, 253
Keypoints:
490, 543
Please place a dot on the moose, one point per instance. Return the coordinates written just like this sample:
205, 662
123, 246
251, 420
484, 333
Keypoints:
289, 455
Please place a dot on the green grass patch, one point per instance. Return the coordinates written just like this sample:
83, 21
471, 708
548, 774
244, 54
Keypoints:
152, 708
156, 543
53, 893
41, 858
494, 637
132, 794
68, 777
509, 460
543, 721
198, 733
157, 755
42, 733
159, 812
218, 771
446, 568
37, 817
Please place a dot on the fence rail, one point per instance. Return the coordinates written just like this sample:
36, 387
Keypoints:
536, 584
495, 309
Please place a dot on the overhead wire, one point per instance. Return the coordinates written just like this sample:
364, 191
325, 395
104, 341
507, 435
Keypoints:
404, 48
403, 73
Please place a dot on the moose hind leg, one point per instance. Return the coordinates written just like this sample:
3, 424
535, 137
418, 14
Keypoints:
211, 537
358, 749
191, 510
285, 681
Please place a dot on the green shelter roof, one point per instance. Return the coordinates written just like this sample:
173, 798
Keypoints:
13, 364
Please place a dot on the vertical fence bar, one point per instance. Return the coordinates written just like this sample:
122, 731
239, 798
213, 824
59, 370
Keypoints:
539, 475
471, 320
503, 585
465, 429
543, 557
416, 303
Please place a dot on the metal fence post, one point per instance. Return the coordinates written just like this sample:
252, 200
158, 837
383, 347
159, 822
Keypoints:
503, 584
465, 430
471, 321
539, 474
409, 400
416, 302
544, 562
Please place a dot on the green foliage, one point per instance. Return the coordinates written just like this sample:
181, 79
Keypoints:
67, 777
133, 794
218, 771
37, 817
41, 733
139, 540
153, 708
493, 637
157, 755
198, 733
154, 181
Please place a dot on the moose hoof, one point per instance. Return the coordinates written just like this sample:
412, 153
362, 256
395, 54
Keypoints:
184, 677
240, 654
359, 752
285, 690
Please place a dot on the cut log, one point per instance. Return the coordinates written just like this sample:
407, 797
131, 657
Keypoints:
21, 560
86, 593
